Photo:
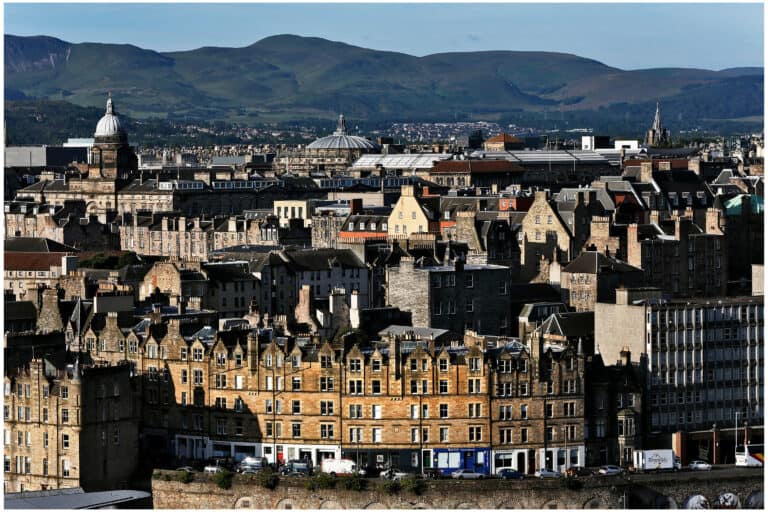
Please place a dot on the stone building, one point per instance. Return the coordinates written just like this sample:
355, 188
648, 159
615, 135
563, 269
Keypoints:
503, 142
679, 256
283, 274
68, 225
35, 263
456, 297
457, 174
415, 212
543, 235
491, 240
594, 277
333, 153
68, 426
703, 356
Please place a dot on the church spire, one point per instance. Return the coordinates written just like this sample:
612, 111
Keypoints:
657, 119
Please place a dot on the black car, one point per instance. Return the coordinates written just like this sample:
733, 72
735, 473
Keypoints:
510, 474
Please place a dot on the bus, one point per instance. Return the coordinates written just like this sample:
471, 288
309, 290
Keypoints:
750, 455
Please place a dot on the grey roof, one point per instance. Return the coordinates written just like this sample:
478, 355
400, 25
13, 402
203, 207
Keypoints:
406, 161
570, 324
30, 244
343, 141
593, 262
71, 499
422, 332
569, 194
321, 259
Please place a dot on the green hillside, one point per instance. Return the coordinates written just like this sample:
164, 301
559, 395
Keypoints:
286, 77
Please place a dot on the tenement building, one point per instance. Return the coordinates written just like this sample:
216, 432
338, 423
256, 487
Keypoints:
68, 426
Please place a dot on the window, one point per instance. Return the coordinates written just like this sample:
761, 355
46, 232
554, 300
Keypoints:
443, 365
326, 408
523, 435
116, 436
325, 361
474, 386
184, 376
470, 305
354, 365
443, 386
414, 435
296, 429
376, 387
376, 365
475, 433
549, 433
377, 435
295, 406
414, 387
296, 384
356, 387
376, 412
65, 415
45, 439
238, 360
549, 410
443, 410
326, 431
221, 402
326, 383
505, 435
469, 281
474, 364
64, 392
503, 288
45, 467
64, 467
524, 411
505, 412
197, 354
475, 410
220, 381
65, 441
197, 376
355, 411
184, 353
443, 434
523, 389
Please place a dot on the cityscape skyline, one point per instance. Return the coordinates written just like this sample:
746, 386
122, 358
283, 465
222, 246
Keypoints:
424, 29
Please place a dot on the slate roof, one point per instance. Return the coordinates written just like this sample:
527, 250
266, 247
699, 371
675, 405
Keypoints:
20, 310
581, 324
40, 245
593, 262
321, 259
227, 272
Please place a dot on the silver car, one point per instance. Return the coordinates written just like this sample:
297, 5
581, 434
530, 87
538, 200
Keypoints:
465, 474
610, 470
700, 465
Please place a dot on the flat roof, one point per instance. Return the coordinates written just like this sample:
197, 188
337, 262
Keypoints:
71, 499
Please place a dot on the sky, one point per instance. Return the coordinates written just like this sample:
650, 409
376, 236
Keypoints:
627, 36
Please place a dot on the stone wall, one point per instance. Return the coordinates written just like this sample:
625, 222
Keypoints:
490, 494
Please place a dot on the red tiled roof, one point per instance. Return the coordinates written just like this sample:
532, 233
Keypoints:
505, 138
32, 260
476, 166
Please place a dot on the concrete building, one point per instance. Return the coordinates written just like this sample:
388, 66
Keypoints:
703, 357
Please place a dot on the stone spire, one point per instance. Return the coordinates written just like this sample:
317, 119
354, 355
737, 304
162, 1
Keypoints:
657, 120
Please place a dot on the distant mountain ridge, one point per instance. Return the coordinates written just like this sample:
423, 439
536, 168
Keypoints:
290, 77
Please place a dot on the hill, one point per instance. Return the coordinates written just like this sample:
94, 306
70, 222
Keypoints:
294, 78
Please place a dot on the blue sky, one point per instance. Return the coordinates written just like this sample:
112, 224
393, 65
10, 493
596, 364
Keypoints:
628, 36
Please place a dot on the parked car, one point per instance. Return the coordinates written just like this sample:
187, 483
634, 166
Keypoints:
434, 474
394, 474
577, 471
465, 474
213, 469
610, 470
254, 464
510, 474
700, 465
249, 471
296, 466
188, 469
546, 473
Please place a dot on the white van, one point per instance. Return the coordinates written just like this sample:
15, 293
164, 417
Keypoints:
339, 467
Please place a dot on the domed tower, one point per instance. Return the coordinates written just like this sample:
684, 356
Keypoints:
111, 156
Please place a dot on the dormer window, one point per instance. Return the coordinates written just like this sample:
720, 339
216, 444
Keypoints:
296, 361
443, 365
414, 365
354, 365
268, 361
376, 365
326, 361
